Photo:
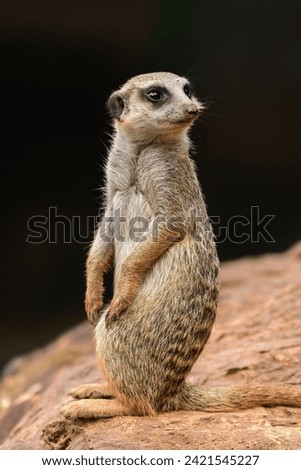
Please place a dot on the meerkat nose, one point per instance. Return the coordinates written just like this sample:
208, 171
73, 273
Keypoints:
193, 111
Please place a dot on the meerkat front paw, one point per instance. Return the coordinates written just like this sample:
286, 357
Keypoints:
93, 306
116, 308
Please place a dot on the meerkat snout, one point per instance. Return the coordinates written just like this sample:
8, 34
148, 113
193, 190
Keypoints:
193, 111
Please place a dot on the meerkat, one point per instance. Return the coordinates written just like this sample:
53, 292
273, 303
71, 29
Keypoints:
156, 235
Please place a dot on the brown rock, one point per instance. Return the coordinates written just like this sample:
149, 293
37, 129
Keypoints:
256, 339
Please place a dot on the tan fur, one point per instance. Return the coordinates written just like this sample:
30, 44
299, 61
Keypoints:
104, 390
166, 276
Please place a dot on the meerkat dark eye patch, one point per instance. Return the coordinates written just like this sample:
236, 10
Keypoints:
115, 105
156, 94
187, 88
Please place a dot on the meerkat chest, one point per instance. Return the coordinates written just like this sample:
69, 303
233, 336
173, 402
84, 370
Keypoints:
125, 185
132, 212
132, 216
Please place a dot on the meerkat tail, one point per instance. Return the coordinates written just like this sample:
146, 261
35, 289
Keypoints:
230, 398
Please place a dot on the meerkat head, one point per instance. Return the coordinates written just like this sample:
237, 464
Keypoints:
154, 105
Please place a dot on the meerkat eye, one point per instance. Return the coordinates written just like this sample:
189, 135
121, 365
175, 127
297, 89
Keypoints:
154, 95
187, 90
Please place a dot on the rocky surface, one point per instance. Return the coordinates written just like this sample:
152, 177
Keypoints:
256, 339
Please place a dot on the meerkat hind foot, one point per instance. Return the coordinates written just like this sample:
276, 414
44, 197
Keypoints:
93, 408
92, 391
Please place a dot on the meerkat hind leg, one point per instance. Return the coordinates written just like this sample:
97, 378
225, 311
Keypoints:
94, 408
94, 391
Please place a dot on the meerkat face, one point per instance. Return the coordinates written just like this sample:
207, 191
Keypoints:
153, 105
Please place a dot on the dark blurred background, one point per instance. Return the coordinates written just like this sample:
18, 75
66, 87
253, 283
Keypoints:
59, 63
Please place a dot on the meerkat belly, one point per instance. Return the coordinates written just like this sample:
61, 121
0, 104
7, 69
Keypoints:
176, 278
132, 216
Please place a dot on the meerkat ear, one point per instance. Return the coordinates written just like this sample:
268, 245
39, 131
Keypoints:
115, 105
